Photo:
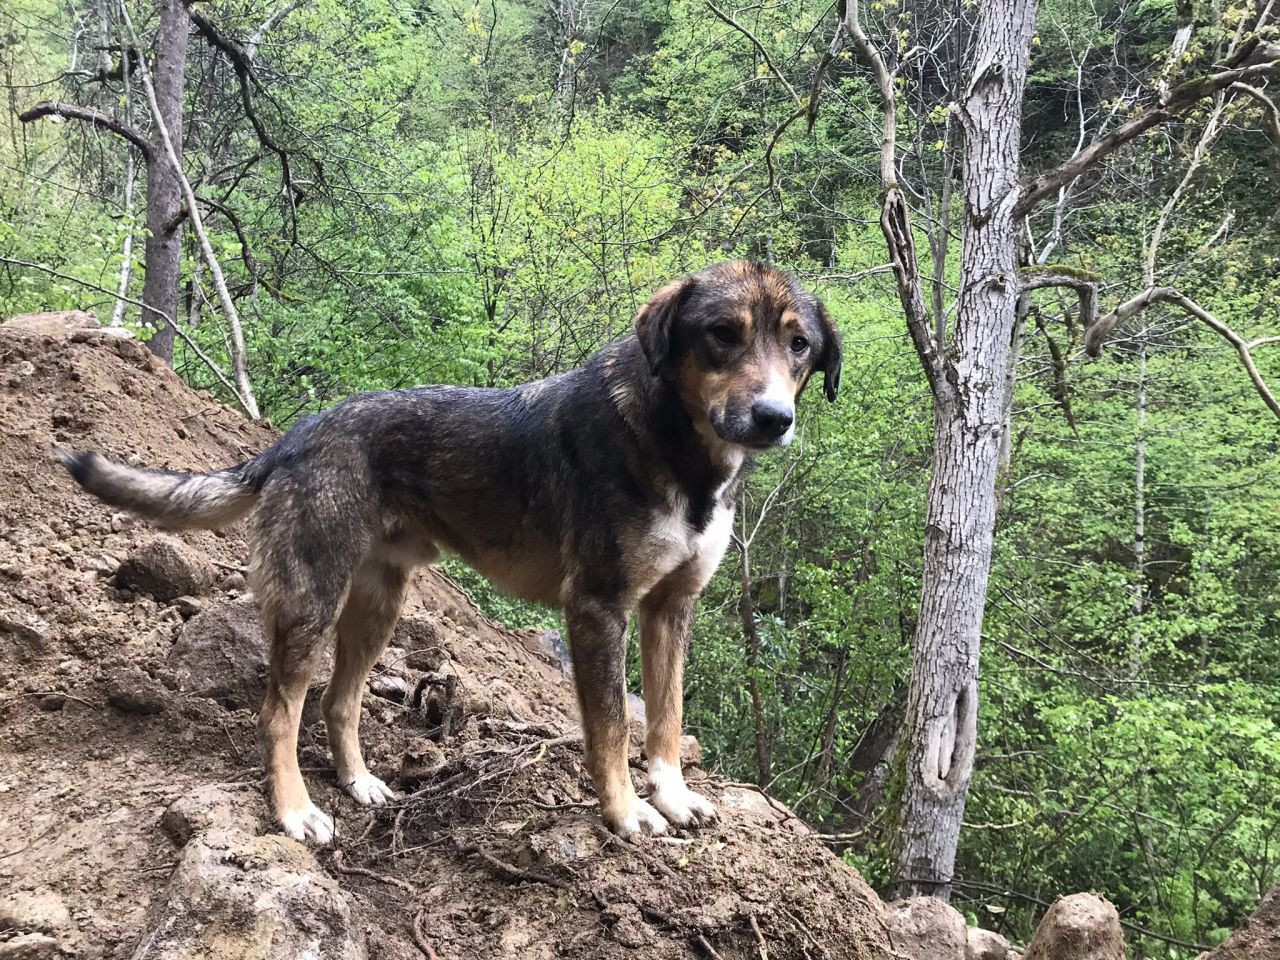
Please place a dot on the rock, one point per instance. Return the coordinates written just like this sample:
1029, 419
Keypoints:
58, 323
133, 691
1258, 939
925, 928
39, 911
422, 761
555, 645
101, 563
985, 945
690, 751
25, 626
1082, 926
215, 806
236, 895
29, 946
389, 687
635, 708
167, 569
188, 607
222, 654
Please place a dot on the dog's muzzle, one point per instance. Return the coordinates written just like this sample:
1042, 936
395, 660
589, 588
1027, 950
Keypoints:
767, 423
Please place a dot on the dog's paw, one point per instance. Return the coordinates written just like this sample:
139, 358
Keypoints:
368, 791
673, 798
639, 819
309, 823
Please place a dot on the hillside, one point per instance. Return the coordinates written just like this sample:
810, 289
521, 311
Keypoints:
131, 666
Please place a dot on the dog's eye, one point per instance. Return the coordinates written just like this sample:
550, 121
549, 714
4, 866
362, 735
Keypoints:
725, 335
799, 344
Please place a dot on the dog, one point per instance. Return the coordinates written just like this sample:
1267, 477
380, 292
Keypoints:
605, 491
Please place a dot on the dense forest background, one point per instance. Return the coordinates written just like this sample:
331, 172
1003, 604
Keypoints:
400, 192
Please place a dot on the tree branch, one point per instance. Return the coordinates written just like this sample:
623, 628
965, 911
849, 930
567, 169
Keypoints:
1095, 335
1179, 99
242, 64
764, 54
1269, 109
69, 111
238, 366
1085, 287
895, 215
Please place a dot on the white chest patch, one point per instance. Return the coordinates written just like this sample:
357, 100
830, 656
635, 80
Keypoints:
672, 541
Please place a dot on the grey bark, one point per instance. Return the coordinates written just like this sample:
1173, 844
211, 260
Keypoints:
940, 728
160, 287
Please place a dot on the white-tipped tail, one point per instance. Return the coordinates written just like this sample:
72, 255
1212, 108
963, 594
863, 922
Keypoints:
166, 498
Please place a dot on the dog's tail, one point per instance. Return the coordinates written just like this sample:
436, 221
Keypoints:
168, 498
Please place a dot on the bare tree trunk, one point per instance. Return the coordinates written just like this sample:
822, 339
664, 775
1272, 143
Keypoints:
747, 613
160, 287
126, 252
1139, 514
940, 728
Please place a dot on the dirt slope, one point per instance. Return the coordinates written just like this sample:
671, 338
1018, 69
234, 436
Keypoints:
114, 704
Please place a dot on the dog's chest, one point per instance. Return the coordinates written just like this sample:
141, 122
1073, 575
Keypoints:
671, 541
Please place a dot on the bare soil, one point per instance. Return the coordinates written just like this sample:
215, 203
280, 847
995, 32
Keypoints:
107, 717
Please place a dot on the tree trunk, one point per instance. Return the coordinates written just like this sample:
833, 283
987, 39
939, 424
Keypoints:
1139, 516
747, 613
940, 728
164, 192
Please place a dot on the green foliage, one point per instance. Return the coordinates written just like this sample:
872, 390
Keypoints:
485, 193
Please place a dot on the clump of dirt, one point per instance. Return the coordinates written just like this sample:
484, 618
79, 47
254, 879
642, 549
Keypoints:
122, 691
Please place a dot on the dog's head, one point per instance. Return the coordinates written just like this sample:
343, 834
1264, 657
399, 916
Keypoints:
739, 341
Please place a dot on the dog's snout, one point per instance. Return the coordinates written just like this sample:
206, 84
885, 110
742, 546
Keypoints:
771, 418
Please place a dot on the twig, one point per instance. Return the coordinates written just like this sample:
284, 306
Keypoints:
710, 951
420, 938
755, 928
346, 871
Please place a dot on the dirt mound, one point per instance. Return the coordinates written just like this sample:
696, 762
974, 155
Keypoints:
122, 691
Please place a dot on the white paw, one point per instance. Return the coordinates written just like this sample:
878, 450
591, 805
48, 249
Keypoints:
640, 820
679, 804
368, 791
309, 823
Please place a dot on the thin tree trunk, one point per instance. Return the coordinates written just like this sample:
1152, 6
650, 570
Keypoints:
126, 251
1139, 515
940, 727
160, 287
747, 613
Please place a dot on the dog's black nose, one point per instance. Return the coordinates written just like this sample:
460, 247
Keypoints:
771, 419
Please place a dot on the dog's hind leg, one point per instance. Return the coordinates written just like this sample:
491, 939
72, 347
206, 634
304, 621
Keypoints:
665, 618
306, 550
371, 611
598, 642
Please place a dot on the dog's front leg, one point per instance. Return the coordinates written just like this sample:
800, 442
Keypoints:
597, 638
665, 618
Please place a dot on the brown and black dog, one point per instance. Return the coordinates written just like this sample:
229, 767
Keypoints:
605, 490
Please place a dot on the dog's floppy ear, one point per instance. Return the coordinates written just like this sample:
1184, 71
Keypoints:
832, 356
655, 320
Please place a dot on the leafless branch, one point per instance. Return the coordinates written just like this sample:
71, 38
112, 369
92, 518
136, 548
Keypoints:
1097, 333
70, 111
1179, 99
764, 54
239, 369
895, 215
